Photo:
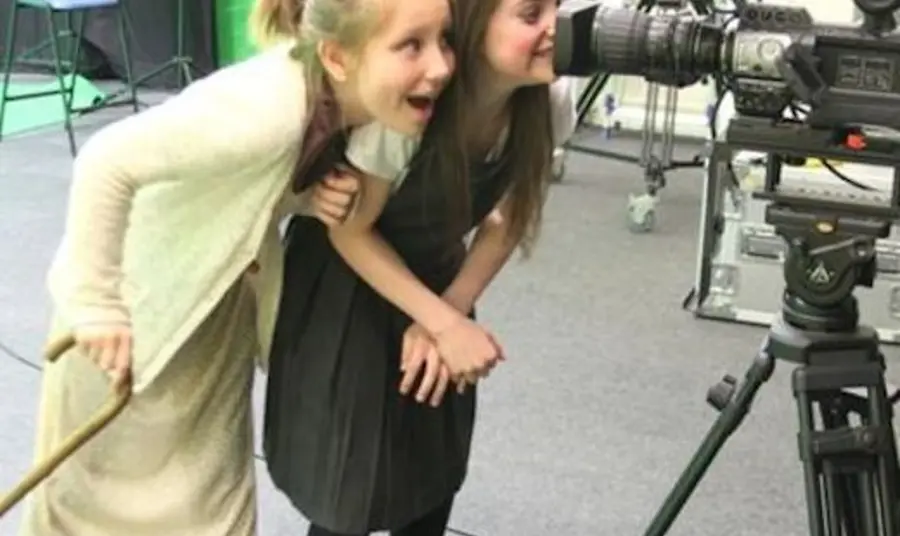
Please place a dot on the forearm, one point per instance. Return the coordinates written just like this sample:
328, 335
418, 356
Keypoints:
99, 205
381, 267
490, 250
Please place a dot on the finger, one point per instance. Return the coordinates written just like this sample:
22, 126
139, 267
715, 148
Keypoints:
420, 346
461, 386
411, 373
432, 371
89, 350
338, 212
325, 218
123, 358
349, 209
440, 388
406, 350
412, 346
344, 183
501, 355
334, 198
107, 354
329, 215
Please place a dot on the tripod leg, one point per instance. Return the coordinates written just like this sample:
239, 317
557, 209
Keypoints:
841, 492
642, 208
734, 406
810, 463
861, 491
589, 96
879, 416
849, 467
648, 135
669, 115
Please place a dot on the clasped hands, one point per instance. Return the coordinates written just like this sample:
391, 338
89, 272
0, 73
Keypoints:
460, 355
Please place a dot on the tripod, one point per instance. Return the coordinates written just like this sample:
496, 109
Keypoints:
850, 470
641, 208
180, 62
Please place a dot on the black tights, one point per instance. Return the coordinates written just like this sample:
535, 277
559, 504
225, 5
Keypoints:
432, 524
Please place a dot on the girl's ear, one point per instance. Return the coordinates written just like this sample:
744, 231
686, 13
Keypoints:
336, 60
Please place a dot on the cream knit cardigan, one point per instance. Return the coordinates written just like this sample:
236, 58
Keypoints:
169, 207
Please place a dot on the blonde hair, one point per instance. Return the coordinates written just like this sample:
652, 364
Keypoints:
307, 23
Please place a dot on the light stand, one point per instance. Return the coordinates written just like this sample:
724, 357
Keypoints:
181, 62
641, 208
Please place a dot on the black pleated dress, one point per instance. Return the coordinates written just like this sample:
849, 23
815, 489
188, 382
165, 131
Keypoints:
351, 453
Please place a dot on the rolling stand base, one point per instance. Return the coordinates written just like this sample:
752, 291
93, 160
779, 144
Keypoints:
641, 208
850, 470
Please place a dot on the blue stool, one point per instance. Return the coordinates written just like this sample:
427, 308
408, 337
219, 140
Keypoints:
69, 8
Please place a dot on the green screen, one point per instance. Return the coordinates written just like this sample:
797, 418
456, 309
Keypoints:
232, 34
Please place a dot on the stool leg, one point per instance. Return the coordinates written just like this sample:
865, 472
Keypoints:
8, 56
60, 77
126, 53
76, 53
184, 70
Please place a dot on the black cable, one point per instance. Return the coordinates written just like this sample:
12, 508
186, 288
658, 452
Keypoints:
796, 111
451, 530
19, 358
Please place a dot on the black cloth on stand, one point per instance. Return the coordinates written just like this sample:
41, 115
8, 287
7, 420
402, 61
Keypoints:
153, 38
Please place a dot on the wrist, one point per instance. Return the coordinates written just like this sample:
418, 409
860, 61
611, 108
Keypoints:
459, 299
441, 318
93, 315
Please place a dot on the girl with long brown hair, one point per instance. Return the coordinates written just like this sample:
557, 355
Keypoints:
363, 432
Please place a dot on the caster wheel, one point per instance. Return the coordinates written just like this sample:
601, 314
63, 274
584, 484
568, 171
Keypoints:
559, 165
641, 213
558, 174
644, 225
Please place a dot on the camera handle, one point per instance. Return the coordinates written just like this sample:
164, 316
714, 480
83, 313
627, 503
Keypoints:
879, 15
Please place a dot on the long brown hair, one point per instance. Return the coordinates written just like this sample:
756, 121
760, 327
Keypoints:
528, 154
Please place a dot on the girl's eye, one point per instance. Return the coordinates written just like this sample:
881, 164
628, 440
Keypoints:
411, 45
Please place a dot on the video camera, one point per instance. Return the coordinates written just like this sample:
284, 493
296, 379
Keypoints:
777, 61
775, 56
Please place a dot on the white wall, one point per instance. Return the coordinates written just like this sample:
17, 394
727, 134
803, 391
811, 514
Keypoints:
630, 92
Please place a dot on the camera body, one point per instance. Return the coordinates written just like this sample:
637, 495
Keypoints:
775, 60
775, 56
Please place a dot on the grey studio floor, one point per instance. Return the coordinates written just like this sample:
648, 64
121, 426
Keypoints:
581, 432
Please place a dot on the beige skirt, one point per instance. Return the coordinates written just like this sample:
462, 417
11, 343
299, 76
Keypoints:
177, 462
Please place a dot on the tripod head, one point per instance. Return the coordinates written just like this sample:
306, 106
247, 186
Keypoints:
828, 255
